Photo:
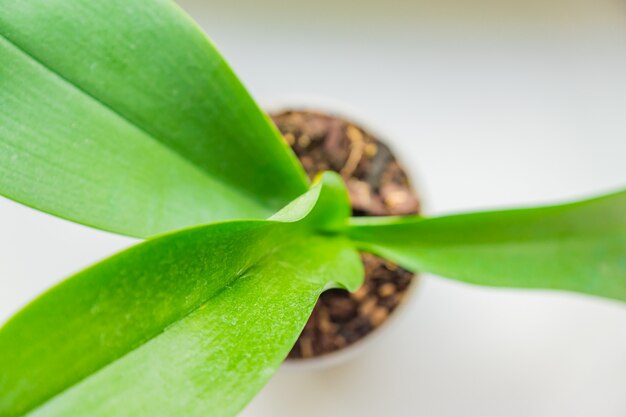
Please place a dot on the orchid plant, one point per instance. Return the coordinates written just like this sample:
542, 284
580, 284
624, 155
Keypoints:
121, 115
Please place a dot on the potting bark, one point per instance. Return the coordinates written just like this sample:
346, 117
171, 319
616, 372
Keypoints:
378, 186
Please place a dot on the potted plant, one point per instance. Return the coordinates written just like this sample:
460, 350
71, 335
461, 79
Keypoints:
122, 116
377, 186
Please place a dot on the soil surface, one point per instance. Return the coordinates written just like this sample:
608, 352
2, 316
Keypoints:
378, 186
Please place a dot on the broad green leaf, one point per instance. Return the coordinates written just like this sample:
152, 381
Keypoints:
578, 247
192, 323
121, 115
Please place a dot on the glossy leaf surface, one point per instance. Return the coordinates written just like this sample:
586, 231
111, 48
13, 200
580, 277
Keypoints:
577, 247
121, 115
192, 323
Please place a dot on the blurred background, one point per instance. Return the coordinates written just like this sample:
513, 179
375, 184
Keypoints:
489, 104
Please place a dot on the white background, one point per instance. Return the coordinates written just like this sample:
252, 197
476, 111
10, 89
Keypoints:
489, 104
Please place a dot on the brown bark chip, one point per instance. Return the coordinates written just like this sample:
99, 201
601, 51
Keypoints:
378, 186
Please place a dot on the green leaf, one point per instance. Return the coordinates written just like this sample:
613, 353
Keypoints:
192, 323
121, 115
326, 206
577, 247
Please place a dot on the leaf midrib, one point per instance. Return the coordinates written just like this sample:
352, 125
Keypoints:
135, 125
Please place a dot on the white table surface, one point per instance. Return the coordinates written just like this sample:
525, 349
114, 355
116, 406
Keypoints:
489, 106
